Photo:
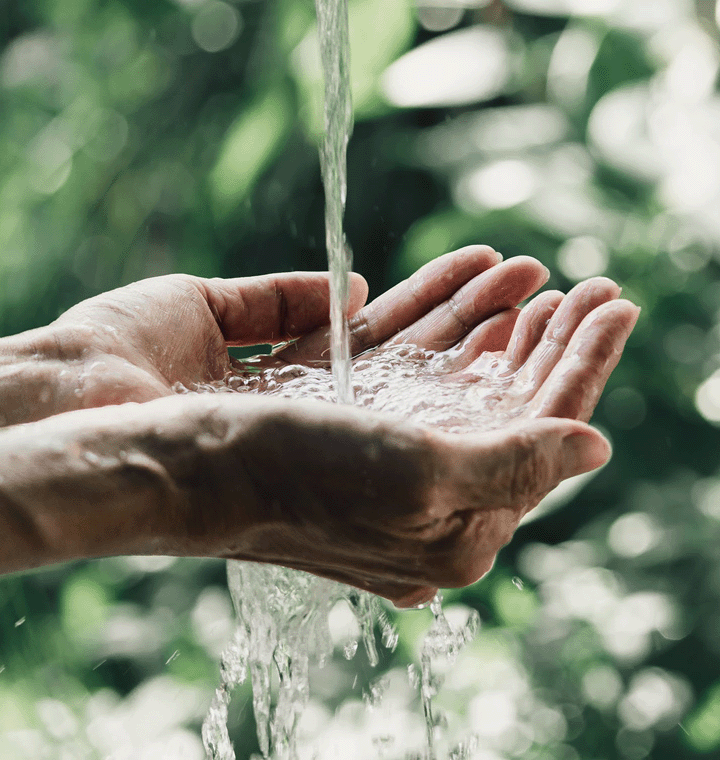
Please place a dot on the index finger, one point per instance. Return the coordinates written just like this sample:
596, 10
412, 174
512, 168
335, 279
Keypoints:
413, 298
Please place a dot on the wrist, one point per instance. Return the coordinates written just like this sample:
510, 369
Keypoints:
38, 373
157, 478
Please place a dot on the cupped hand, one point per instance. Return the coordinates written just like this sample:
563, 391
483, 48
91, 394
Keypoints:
463, 299
560, 355
136, 342
390, 507
546, 365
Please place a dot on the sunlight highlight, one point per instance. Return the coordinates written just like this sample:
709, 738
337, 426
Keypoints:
457, 68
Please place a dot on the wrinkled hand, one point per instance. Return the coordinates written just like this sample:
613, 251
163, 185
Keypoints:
448, 503
393, 508
550, 359
134, 343
559, 357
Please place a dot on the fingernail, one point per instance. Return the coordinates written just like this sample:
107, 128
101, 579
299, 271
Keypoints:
583, 452
499, 255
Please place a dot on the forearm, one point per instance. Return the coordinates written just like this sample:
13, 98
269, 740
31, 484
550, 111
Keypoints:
132, 479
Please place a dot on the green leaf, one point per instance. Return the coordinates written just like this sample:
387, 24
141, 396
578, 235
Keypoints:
250, 144
703, 726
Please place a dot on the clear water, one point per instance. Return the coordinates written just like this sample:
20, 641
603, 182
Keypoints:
282, 614
282, 631
408, 382
335, 54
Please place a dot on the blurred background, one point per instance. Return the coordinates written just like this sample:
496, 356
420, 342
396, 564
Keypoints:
140, 138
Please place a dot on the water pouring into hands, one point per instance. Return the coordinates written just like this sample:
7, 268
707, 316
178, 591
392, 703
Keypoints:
393, 507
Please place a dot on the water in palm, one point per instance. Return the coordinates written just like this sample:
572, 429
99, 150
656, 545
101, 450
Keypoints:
282, 614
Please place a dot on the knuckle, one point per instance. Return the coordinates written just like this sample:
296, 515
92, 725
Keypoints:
361, 334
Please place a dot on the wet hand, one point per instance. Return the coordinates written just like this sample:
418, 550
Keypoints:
389, 507
135, 343
560, 355
465, 297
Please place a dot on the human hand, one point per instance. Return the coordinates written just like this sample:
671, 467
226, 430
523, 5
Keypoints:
390, 522
555, 365
465, 299
136, 342
552, 359
560, 355
392, 508
336, 490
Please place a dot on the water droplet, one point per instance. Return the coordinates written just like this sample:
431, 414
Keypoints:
390, 635
517, 582
376, 691
413, 676
19, 622
349, 649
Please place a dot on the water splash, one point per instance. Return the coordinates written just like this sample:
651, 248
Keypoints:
283, 614
402, 380
442, 641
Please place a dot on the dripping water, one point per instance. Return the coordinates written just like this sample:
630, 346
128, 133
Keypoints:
282, 615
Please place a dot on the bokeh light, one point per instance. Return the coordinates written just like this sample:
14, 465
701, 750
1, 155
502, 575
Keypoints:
138, 139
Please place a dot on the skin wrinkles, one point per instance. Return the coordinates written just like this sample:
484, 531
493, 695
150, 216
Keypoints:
344, 492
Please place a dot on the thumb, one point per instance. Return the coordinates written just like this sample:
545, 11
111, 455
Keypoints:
271, 308
535, 456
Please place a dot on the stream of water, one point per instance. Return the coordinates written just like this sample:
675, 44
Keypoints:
282, 630
335, 54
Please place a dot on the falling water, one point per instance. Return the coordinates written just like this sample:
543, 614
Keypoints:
283, 614
335, 53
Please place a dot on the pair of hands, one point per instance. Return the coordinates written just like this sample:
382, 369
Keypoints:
339, 491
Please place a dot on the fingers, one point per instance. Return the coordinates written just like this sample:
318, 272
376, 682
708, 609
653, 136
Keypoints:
496, 290
530, 327
576, 305
574, 386
272, 308
492, 335
407, 302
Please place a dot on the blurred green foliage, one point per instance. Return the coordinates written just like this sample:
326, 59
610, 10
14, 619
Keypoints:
140, 138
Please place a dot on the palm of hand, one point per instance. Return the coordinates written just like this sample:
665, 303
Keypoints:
554, 357
146, 337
